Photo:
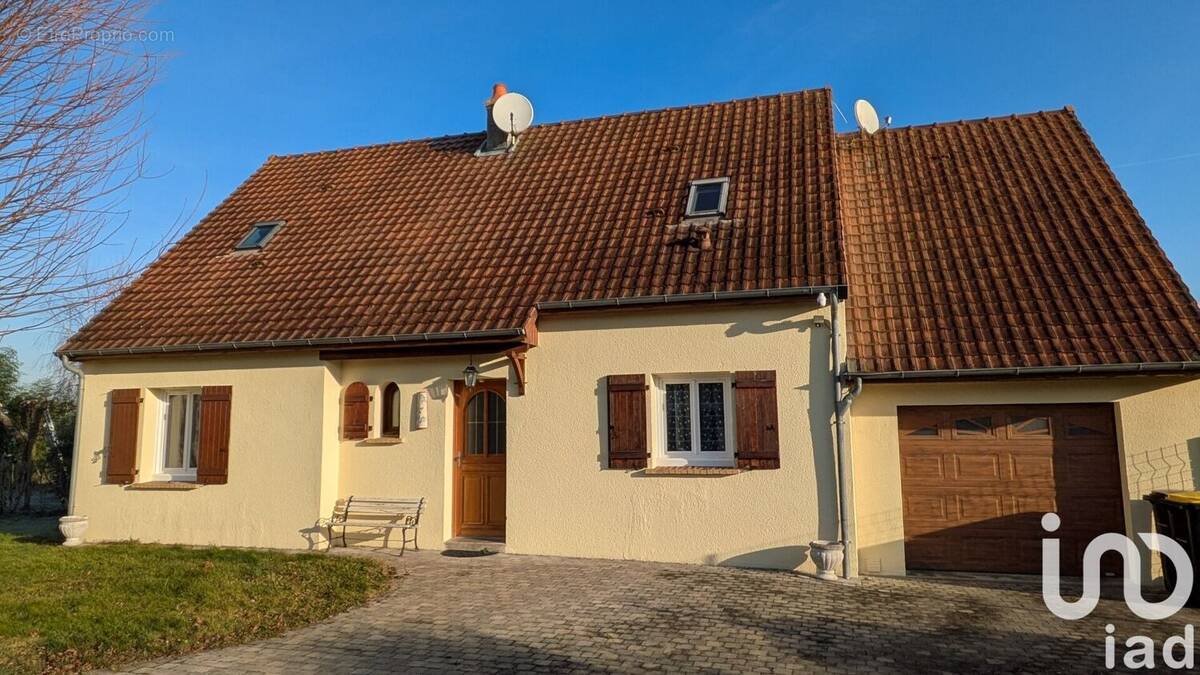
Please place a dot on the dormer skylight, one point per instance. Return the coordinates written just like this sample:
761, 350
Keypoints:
259, 235
706, 197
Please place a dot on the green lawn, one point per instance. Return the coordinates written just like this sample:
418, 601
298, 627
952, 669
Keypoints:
65, 609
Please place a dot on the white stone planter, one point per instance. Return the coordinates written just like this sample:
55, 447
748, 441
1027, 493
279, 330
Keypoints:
828, 557
73, 528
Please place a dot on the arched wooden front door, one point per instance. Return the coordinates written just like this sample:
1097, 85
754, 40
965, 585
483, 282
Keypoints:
480, 446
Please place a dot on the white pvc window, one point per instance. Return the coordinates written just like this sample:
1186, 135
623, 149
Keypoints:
695, 420
180, 433
707, 197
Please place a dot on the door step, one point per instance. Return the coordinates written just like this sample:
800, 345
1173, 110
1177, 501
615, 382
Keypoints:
493, 544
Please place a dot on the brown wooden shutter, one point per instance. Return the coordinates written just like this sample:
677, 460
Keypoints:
356, 411
757, 419
124, 408
212, 466
627, 446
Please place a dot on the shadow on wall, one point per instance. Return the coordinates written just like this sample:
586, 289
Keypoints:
820, 405
1171, 467
778, 558
766, 327
602, 422
316, 537
820, 426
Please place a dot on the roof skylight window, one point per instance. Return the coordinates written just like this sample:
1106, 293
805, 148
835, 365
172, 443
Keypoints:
707, 197
259, 235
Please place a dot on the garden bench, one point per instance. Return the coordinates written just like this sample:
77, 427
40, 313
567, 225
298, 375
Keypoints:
380, 513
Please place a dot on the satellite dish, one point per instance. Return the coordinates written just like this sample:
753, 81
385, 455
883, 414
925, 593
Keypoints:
865, 115
513, 113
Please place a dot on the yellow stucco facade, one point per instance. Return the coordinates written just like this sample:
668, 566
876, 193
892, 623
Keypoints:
561, 499
420, 464
279, 455
288, 464
1158, 427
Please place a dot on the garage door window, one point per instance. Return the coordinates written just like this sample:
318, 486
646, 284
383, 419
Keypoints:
1030, 427
973, 426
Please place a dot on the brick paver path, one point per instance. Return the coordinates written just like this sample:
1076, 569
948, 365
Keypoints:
526, 613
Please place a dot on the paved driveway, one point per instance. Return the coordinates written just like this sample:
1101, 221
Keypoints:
524, 613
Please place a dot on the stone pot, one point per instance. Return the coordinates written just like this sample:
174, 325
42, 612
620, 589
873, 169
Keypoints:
828, 557
73, 528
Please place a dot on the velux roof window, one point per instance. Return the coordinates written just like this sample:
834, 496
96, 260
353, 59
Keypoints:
707, 197
259, 235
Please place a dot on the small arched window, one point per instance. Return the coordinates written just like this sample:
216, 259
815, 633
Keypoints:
486, 424
391, 410
356, 411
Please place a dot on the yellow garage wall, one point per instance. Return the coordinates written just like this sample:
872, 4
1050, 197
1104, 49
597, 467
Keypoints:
277, 456
421, 464
1158, 422
561, 499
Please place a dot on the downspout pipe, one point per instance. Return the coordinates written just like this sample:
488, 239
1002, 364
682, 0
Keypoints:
78, 372
845, 463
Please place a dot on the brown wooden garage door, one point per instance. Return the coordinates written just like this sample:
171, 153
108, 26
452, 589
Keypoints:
977, 479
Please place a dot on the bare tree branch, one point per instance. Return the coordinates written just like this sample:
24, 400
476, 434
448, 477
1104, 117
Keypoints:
71, 142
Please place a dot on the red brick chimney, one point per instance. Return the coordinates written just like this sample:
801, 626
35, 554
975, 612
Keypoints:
497, 138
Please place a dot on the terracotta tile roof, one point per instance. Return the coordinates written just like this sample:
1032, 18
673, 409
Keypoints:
1001, 243
423, 237
987, 244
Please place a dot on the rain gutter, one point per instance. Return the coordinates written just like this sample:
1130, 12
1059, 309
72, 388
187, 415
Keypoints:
299, 343
1154, 368
681, 298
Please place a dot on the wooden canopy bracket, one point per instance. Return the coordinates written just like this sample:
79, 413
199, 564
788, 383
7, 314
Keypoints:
516, 358
531, 330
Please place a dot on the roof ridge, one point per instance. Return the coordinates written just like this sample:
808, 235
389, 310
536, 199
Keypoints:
558, 123
1067, 110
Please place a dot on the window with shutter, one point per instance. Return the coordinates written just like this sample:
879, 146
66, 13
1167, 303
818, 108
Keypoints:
757, 419
627, 444
124, 408
180, 434
212, 462
697, 421
356, 411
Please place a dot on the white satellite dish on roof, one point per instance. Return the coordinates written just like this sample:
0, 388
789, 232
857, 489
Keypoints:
865, 115
512, 112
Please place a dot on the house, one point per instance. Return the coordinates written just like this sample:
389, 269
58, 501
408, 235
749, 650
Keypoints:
662, 314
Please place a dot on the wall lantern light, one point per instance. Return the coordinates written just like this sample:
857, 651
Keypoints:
471, 374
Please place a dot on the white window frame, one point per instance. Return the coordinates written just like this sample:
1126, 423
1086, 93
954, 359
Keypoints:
695, 456
691, 202
161, 472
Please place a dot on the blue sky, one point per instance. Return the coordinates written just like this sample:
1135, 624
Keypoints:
250, 79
